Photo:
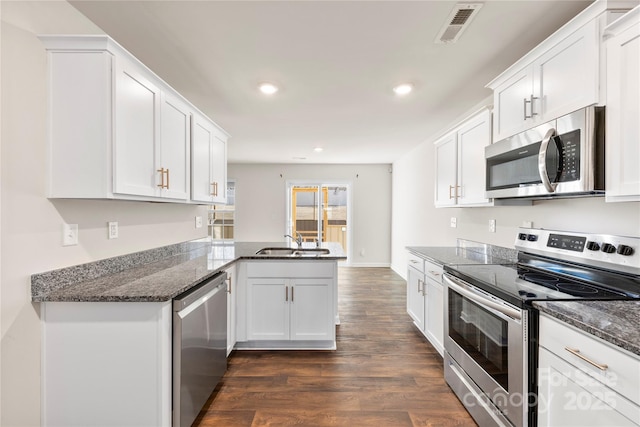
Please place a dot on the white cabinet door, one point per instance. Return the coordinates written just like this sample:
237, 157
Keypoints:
175, 141
208, 161
202, 134
446, 155
232, 301
268, 309
435, 314
136, 129
567, 397
473, 137
415, 296
219, 167
566, 76
623, 110
512, 100
311, 305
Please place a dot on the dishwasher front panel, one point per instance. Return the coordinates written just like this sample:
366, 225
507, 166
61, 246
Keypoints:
199, 348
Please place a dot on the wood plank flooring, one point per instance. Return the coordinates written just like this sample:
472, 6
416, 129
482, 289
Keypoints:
384, 372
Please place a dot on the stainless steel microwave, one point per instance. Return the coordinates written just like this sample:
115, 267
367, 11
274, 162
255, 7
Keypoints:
560, 158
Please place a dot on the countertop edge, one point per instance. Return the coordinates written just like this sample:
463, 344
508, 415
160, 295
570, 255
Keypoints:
59, 280
572, 312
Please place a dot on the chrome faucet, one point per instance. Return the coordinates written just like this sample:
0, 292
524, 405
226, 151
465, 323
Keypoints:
297, 240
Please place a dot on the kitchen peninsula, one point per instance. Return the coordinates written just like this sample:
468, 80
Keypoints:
107, 325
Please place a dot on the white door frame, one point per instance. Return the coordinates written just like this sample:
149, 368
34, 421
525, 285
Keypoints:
323, 183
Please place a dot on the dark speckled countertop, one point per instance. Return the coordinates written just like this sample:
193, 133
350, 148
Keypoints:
616, 322
466, 252
155, 275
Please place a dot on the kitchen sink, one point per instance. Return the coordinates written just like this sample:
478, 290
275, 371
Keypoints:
293, 251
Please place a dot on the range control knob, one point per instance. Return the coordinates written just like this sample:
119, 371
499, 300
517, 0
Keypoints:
625, 250
593, 246
608, 248
522, 236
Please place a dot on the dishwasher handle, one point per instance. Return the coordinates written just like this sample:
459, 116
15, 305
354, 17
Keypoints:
200, 293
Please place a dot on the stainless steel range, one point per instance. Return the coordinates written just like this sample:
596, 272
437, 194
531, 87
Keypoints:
491, 327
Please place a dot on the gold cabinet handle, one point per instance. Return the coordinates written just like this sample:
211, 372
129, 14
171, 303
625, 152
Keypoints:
450, 188
577, 353
214, 189
435, 273
163, 172
229, 285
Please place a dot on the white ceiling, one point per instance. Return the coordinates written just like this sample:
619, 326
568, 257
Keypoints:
336, 63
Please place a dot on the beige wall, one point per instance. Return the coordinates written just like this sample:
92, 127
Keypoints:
416, 222
261, 208
31, 224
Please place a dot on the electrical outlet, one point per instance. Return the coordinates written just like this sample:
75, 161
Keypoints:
527, 224
69, 234
454, 222
198, 222
492, 225
112, 228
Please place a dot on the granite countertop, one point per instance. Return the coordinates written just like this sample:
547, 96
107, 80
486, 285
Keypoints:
466, 253
155, 275
613, 321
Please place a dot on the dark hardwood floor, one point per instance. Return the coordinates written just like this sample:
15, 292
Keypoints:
384, 373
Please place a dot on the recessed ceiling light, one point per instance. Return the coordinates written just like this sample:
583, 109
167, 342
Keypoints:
268, 88
403, 89
318, 149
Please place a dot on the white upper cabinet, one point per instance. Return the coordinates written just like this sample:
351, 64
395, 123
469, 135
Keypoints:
446, 161
559, 76
473, 136
623, 109
209, 162
137, 129
175, 138
460, 164
117, 125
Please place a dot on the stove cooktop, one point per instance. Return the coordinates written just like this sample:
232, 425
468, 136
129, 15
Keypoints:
522, 283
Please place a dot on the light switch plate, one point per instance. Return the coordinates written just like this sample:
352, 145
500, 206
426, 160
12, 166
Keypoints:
69, 234
492, 225
454, 222
198, 222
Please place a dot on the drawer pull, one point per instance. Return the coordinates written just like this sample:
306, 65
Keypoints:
435, 273
576, 352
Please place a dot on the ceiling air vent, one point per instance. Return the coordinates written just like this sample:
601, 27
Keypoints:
459, 19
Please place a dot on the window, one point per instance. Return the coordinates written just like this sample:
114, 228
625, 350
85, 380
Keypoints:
221, 217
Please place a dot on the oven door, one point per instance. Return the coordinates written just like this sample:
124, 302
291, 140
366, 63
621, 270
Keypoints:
486, 347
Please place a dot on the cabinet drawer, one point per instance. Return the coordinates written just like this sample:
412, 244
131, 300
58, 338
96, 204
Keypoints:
286, 269
622, 372
433, 271
416, 262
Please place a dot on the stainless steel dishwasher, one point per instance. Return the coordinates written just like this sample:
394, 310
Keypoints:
199, 347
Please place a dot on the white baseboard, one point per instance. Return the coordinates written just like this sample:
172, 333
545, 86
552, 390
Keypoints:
367, 264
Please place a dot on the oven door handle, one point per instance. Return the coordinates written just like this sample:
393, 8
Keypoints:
542, 161
489, 305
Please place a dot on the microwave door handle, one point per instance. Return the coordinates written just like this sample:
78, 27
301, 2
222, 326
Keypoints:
542, 161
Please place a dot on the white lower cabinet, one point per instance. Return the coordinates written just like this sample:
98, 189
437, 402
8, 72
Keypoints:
415, 291
106, 363
584, 381
425, 299
282, 303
